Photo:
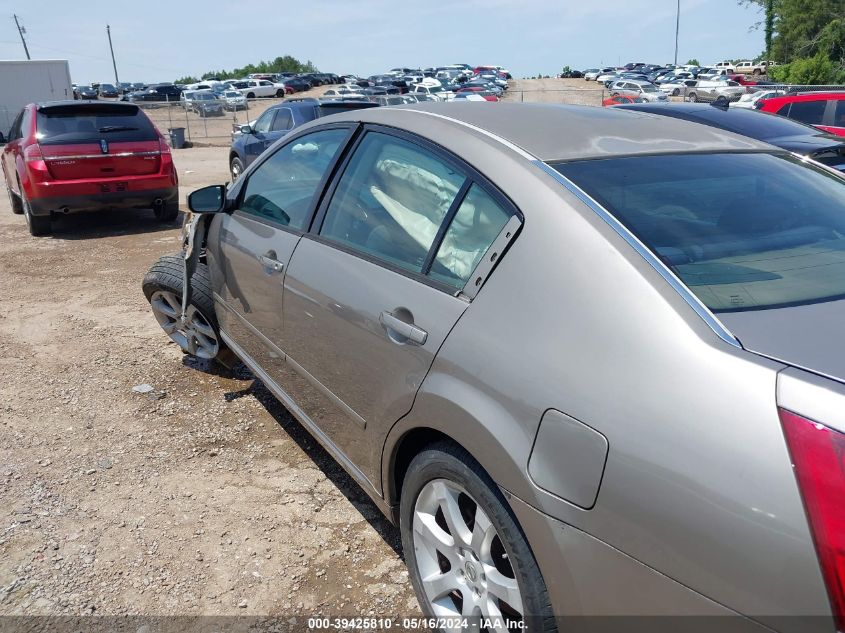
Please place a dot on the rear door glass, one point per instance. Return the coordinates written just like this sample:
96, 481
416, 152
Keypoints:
811, 112
89, 123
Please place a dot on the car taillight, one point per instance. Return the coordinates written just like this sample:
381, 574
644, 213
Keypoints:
818, 458
32, 153
163, 147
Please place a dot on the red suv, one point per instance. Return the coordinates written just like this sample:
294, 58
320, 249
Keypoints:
824, 110
70, 156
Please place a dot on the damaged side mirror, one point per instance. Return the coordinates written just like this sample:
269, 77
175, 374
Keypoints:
208, 199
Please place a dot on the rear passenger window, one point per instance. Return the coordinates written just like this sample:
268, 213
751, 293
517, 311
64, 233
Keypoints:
283, 187
283, 120
839, 115
476, 225
810, 112
391, 201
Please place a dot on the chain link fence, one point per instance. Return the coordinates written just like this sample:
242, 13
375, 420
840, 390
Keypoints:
200, 130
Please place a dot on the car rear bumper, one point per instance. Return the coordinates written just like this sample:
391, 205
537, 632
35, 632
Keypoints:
117, 200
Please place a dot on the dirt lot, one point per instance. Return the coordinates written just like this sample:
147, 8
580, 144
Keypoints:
572, 91
202, 497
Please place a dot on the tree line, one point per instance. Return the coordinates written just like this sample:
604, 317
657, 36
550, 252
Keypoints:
286, 64
806, 37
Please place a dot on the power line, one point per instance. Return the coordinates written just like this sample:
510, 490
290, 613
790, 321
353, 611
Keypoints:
21, 31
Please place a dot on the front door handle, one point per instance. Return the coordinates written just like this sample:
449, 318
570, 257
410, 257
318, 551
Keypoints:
270, 263
403, 329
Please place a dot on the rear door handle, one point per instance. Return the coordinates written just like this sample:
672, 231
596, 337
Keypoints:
406, 330
270, 263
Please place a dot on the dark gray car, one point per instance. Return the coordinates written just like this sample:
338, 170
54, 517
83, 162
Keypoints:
590, 361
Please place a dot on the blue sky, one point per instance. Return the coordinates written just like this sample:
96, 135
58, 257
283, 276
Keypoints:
157, 40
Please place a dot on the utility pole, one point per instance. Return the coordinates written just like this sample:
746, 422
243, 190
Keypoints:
677, 28
21, 31
113, 63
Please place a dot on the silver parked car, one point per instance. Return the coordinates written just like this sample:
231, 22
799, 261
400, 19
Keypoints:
718, 91
635, 88
572, 396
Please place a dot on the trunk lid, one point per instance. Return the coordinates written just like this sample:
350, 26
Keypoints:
809, 336
97, 140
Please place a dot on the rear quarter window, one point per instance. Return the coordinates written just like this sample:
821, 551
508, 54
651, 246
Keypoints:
72, 124
810, 112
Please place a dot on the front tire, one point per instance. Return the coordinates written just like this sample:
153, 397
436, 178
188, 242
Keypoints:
466, 554
676, 92
199, 334
236, 168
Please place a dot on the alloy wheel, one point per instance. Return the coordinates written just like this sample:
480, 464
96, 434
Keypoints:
463, 565
194, 335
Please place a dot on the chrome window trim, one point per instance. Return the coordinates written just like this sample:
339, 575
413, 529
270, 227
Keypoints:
694, 302
101, 155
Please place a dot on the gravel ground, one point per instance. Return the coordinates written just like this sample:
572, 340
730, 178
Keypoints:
202, 496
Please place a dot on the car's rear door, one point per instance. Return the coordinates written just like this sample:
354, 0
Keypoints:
834, 117
11, 151
250, 248
374, 289
83, 141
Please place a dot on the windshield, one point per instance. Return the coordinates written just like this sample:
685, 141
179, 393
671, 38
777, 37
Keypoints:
232, 93
204, 96
742, 231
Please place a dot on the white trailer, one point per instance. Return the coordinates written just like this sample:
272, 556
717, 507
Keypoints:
30, 81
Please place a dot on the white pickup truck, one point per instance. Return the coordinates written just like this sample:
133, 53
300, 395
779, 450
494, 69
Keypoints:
751, 68
258, 88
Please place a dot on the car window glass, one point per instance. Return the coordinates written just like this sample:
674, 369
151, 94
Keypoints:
283, 120
263, 123
391, 201
282, 188
476, 224
811, 112
839, 115
15, 130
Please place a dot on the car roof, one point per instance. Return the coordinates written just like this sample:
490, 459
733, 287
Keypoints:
809, 96
745, 121
83, 103
552, 132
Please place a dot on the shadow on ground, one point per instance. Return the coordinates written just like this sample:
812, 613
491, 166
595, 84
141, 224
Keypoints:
315, 452
85, 226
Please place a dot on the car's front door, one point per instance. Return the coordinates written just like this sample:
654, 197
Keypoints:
249, 250
373, 292
259, 139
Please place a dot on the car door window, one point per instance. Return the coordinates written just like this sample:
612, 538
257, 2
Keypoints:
282, 188
839, 114
477, 223
391, 201
810, 112
15, 131
283, 121
262, 125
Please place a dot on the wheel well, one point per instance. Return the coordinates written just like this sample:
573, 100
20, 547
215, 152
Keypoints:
408, 447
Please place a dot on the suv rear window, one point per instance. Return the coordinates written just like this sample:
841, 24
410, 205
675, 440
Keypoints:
742, 231
88, 123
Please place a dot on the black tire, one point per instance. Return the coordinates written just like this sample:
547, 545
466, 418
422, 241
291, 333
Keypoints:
250, 95
167, 213
693, 97
676, 92
38, 225
236, 168
15, 202
167, 275
280, 93
445, 460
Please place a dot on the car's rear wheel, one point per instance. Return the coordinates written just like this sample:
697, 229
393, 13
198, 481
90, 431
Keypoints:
693, 97
236, 167
166, 213
14, 201
250, 95
466, 554
38, 225
198, 334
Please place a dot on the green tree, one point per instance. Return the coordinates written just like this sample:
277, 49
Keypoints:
818, 70
693, 62
186, 80
283, 64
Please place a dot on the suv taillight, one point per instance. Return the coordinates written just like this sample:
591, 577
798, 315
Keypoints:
32, 153
818, 458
